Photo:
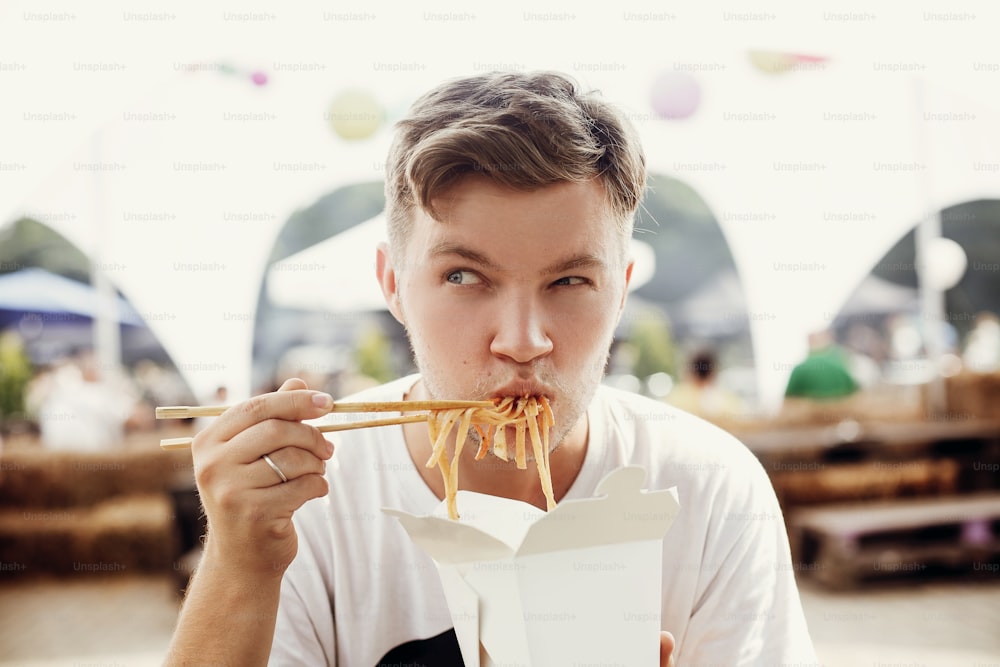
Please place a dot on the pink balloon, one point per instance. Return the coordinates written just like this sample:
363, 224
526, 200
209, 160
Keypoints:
259, 78
675, 95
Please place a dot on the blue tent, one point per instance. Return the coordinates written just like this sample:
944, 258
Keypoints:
37, 291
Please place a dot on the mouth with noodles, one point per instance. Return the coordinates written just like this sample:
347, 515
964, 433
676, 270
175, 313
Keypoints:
530, 416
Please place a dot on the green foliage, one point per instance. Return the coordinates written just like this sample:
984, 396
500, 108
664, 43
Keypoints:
652, 340
373, 354
15, 373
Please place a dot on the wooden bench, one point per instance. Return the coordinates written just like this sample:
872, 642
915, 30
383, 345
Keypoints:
843, 544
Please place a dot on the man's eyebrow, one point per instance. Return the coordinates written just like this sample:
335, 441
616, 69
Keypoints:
447, 248
582, 261
585, 261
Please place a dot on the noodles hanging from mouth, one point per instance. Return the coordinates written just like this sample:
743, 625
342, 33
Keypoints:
531, 418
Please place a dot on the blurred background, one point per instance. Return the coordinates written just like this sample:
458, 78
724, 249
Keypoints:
190, 196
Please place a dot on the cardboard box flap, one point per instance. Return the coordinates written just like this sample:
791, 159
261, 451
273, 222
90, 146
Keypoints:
451, 542
625, 513
505, 519
493, 528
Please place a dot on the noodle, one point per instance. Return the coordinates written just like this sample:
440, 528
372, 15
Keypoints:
531, 418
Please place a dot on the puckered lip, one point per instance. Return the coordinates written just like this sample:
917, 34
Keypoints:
521, 390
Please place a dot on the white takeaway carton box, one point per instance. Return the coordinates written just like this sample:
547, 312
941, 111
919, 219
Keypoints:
580, 585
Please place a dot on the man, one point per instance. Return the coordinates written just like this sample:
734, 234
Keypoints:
701, 393
510, 201
824, 374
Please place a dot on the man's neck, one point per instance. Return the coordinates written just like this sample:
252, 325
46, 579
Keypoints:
493, 476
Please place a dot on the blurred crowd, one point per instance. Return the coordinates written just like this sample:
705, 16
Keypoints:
839, 365
79, 405
76, 403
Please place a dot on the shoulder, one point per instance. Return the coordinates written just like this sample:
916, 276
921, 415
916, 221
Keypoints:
665, 429
680, 449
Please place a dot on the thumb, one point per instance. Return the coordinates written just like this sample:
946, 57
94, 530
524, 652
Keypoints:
292, 384
667, 645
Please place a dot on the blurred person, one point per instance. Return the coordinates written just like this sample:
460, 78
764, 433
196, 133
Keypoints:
982, 347
824, 374
700, 392
510, 203
82, 409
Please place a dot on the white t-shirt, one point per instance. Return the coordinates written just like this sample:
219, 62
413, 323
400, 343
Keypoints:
360, 593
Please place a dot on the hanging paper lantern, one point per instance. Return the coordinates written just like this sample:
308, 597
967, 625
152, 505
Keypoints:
258, 77
355, 114
776, 62
675, 95
946, 263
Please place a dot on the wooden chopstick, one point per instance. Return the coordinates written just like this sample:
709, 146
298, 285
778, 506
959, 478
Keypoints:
188, 411
185, 443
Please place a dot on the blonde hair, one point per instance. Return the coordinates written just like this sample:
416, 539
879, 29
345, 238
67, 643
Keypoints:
523, 130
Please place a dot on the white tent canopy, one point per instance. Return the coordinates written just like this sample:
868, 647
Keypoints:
812, 174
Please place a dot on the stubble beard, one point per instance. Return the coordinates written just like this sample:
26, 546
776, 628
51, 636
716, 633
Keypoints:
568, 405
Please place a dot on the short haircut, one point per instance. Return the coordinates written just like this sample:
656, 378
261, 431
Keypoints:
523, 130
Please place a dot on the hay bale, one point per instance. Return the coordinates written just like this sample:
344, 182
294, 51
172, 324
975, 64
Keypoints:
125, 534
39, 478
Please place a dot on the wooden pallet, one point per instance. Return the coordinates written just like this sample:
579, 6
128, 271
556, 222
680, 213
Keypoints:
841, 545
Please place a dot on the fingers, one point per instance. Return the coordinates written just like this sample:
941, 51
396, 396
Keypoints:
266, 423
293, 383
269, 436
291, 461
302, 489
248, 505
667, 645
291, 404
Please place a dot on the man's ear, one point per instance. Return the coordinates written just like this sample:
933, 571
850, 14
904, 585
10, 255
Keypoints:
386, 274
628, 279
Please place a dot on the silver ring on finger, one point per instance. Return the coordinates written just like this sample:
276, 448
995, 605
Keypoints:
274, 467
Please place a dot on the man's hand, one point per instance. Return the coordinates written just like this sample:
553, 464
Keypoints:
667, 649
248, 505
230, 608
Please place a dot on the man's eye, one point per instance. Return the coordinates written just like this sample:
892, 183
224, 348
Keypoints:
462, 278
571, 280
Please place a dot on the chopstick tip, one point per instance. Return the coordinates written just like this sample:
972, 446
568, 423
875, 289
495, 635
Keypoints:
172, 412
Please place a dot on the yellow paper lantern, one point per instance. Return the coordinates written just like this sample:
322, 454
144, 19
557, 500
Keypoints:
771, 62
355, 114
776, 62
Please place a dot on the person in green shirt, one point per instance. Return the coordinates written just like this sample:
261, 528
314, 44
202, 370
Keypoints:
824, 373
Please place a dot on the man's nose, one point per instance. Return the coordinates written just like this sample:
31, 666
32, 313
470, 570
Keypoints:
521, 332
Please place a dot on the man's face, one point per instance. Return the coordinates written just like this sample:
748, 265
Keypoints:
511, 293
